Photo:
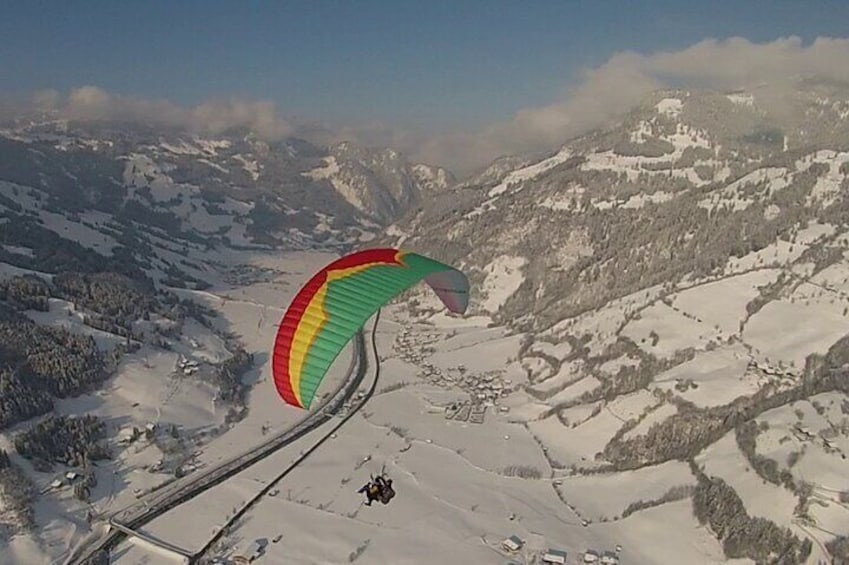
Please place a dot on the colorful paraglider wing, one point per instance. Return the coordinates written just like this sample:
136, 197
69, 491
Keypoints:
329, 310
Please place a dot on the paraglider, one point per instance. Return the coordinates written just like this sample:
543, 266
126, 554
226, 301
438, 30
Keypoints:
378, 488
329, 310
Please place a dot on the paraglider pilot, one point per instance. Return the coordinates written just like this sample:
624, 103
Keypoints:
371, 490
378, 489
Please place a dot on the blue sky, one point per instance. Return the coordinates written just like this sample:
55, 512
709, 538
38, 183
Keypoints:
431, 64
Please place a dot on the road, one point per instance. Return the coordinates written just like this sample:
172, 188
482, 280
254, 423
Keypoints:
172, 494
197, 557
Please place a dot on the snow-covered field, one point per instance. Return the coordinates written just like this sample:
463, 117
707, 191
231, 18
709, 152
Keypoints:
462, 486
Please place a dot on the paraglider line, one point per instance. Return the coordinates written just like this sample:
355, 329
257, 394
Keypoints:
292, 466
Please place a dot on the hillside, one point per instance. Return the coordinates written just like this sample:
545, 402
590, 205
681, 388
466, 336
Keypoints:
109, 233
231, 189
659, 335
679, 284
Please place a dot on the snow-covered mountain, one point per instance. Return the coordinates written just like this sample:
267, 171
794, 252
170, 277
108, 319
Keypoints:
679, 286
674, 291
231, 187
380, 184
685, 182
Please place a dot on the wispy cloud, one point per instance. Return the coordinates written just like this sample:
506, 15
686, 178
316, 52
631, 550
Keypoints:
603, 94
600, 95
216, 116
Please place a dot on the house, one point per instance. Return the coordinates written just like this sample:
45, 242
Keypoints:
609, 558
513, 543
254, 550
56, 483
71, 475
804, 430
126, 436
590, 556
554, 556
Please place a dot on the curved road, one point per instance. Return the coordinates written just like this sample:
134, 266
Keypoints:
242, 511
174, 493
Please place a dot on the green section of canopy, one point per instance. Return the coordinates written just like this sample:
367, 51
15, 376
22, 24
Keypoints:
352, 300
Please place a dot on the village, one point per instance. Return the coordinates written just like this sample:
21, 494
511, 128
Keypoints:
514, 545
826, 438
514, 548
485, 389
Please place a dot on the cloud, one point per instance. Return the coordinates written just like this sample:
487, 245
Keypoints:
603, 94
600, 96
94, 103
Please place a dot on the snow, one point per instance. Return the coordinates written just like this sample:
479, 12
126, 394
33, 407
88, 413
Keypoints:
556, 350
141, 171
455, 500
674, 331
807, 326
503, 277
720, 375
330, 172
250, 166
211, 146
642, 132
8, 271
20, 194
84, 230
633, 166
724, 459
777, 253
201, 147
62, 314
834, 278
771, 212
517, 177
575, 390
630, 406
742, 99
828, 186
722, 304
19, 250
215, 166
79, 232
653, 416
576, 445
606, 495
183, 148
640, 200
774, 179
604, 323
565, 200
613, 366
436, 176
568, 374
394, 231
670, 106
826, 471
646, 537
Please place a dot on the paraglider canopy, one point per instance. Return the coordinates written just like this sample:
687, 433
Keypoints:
329, 310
